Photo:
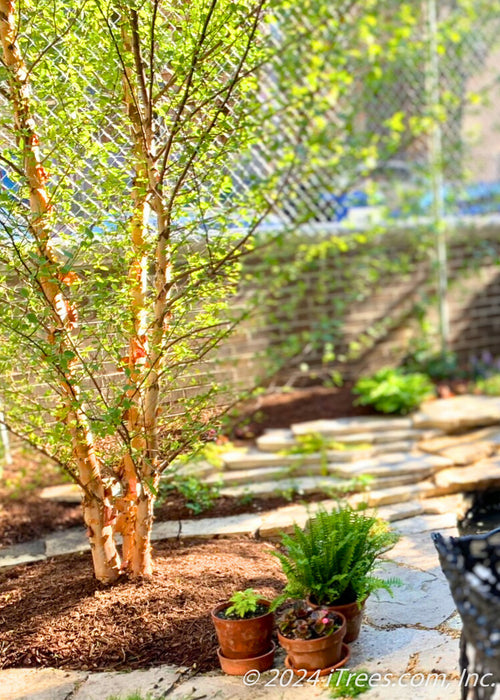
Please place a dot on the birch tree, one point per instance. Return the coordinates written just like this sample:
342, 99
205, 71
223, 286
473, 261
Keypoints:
123, 229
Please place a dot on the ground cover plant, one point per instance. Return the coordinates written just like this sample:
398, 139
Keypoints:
392, 390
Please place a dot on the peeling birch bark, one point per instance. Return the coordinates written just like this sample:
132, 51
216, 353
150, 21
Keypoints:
97, 505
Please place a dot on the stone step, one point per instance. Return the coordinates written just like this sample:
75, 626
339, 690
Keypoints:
197, 468
62, 493
396, 494
283, 519
253, 459
276, 440
337, 427
257, 475
458, 413
419, 466
313, 484
465, 449
479, 476
301, 484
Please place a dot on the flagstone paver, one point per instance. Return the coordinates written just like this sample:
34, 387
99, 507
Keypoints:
39, 683
425, 523
423, 599
417, 551
103, 685
63, 493
348, 426
396, 464
458, 413
453, 503
478, 476
74, 539
25, 553
382, 651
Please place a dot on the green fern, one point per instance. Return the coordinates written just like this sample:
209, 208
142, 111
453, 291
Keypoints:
332, 558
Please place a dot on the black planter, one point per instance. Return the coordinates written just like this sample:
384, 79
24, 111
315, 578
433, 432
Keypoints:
472, 566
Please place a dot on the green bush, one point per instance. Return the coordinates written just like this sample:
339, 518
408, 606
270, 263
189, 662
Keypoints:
437, 365
333, 557
489, 385
393, 391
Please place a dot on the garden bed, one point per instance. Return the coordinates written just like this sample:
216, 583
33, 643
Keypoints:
35, 517
282, 409
56, 614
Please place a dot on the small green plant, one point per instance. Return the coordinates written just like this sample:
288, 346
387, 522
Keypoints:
332, 559
392, 391
437, 365
316, 443
199, 496
300, 621
489, 385
244, 604
132, 696
246, 498
287, 493
348, 684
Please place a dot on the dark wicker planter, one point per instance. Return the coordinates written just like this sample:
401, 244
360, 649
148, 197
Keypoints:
472, 566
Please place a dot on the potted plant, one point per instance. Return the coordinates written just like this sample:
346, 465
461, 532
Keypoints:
244, 627
330, 562
312, 638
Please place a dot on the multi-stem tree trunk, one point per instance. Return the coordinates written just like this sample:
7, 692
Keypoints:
140, 464
97, 507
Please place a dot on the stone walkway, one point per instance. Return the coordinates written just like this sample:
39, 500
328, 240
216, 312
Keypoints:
409, 460
419, 468
415, 632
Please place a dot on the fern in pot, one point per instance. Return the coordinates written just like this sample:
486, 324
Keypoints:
331, 561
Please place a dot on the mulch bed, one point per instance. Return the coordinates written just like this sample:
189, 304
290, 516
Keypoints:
55, 614
34, 517
281, 409
22, 521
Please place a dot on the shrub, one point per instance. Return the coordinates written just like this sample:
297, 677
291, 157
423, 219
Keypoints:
393, 391
489, 385
437, 365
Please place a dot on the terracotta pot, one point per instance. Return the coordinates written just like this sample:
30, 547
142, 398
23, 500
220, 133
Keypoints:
314, 654
353, 614
238, 667
346, 655
244, 639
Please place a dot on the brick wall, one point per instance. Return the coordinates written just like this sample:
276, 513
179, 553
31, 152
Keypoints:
372, 325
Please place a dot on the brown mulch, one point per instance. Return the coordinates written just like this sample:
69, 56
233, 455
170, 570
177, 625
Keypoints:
31, 517
22, 521
34, 517
176, 508
281, 409
55, 614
